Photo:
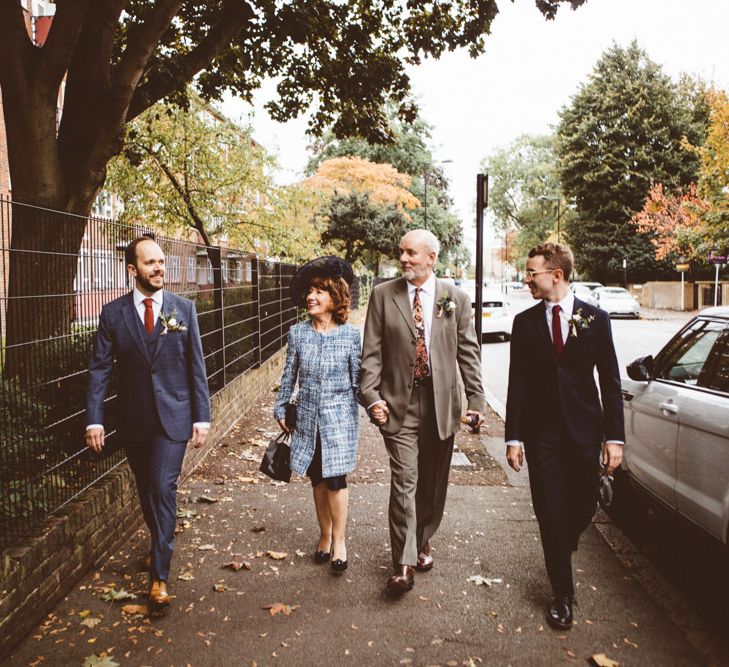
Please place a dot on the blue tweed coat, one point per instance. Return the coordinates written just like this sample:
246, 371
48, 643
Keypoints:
327, 367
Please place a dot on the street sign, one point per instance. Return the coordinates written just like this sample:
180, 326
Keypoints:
682, 267
717, 259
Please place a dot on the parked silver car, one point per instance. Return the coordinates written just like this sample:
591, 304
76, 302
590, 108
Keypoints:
677, 423
615, 301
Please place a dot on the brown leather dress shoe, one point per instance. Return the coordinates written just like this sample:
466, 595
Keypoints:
158, 595
425, 559
403, 579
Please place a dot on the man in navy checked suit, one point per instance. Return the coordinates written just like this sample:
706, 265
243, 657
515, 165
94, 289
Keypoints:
554, 411
163, 394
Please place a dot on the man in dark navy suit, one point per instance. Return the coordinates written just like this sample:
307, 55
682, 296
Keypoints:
163, 394
553, 410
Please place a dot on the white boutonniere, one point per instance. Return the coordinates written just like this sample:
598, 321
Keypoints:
579, 322
170, 322
445, 305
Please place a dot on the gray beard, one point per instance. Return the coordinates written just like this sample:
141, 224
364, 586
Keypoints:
412, 274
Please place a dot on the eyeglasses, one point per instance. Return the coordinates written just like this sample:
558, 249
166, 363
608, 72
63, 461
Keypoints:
531, 273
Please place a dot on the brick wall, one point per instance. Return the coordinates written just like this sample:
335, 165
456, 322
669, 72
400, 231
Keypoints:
35, 575
4, 172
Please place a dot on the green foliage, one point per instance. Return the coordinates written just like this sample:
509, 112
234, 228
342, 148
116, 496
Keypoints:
193, 168
621, 133
408, 152
365, 231
521, 176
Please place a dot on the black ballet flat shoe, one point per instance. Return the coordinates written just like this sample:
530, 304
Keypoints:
338, 566
321, 557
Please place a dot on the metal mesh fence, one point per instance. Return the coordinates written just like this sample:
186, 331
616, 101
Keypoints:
56, 272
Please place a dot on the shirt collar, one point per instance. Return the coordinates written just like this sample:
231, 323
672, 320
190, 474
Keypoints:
139, 297
567, 304
428, 287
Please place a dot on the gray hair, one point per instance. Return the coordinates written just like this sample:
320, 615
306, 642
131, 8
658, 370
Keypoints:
428, 239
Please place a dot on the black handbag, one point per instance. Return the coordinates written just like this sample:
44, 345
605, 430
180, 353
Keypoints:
275, 461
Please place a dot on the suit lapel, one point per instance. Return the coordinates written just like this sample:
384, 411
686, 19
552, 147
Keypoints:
167, 308
402, 301
435, 322
129, 313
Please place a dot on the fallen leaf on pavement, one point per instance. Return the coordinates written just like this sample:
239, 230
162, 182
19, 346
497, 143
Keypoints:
100, 661
84, 613
629, 643
238, 565
136, 609
182, 513
220, 588
280, 608
206, 499
186, 576
90, 622
114, 595
601, 660
276, 555
258, 529
483, 581
206, 547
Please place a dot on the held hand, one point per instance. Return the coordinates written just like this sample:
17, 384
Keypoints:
282, 425
515, 456
379, 413
612, 457
95, 439
481, 419
199, 435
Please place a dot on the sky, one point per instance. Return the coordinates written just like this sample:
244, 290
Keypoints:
531, 69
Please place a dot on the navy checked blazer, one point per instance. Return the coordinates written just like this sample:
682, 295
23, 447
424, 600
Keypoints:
327, 368
166, 381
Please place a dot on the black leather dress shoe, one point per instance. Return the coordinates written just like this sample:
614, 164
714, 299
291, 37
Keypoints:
338, 566
321, 557
559, 614
403, 579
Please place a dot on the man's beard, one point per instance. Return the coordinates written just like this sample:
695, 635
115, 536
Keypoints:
146, 284
412, 274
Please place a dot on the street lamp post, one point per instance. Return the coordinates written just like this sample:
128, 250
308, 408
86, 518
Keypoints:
559, 211
425, 192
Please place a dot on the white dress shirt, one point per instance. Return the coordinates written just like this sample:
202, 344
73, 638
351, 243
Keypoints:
157, 299
567, 305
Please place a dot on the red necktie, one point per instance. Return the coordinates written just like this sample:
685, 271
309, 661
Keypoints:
557, 330
148, 315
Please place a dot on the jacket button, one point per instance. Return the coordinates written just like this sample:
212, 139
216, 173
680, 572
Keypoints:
410, 386
412, 363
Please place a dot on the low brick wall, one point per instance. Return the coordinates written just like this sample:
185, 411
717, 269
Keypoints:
37, 574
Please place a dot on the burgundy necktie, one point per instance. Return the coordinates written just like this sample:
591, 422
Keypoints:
421, 351
557, 330
148, 316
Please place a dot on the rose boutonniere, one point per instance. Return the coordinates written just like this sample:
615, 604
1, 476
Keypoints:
579, 322
445, 305
170, 322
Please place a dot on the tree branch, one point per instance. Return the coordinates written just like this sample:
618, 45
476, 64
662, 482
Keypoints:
198, 223
58, 48
141, 44
165, 79
16, 56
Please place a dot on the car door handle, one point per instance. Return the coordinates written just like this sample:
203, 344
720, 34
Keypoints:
668, 407
627, 396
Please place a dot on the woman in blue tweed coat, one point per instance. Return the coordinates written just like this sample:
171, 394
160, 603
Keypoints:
324, 355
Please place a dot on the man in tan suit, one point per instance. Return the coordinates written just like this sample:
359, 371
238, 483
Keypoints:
418, 335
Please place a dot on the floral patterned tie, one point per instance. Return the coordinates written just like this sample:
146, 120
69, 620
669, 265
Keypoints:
421, 352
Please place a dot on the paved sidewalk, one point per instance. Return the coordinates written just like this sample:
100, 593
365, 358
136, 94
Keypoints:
489, 530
